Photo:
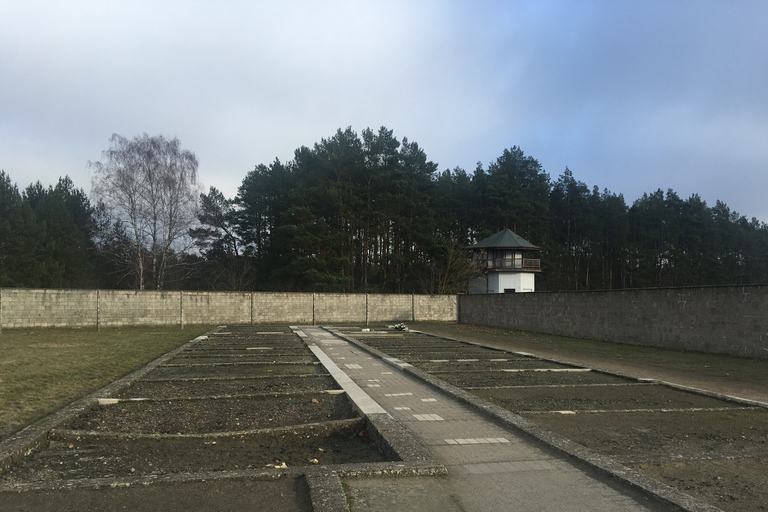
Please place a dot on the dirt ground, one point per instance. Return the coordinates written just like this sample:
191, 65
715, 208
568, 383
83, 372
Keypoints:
221, 406
732, 484
471, 380
616, 397
275, 495
227, 387
215, 415
634, 437
83, 457
233, 371
745, 378
711, 449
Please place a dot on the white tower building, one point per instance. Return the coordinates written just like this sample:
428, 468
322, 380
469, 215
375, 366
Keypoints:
505, 269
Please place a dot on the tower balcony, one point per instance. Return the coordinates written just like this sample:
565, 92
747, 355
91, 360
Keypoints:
522, 265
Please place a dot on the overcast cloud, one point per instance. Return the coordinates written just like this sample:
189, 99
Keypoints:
632, 96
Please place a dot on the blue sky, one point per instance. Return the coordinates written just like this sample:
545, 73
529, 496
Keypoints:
632, 96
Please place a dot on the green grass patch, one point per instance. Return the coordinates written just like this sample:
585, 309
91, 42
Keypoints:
42, 370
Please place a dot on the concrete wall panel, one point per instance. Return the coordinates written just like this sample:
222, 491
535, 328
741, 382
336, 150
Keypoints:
274, 308
720, 319
47, 308
209, 308
390, 308
118, 308
114, 308
435, 308
339, 307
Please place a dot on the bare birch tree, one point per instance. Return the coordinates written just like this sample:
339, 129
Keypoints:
150, 185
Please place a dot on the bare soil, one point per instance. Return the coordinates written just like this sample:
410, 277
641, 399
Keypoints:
731, 484
215, 415
471, 380
229, 371
227, 387
652, 436
745, 378
230, 495
441, 353
718, 454
452, 365
216, 407
235, 359
42, 370
74, 457
593, 398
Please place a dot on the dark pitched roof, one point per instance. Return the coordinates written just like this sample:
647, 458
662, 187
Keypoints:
505, 239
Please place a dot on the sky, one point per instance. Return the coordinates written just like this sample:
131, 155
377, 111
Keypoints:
631, 95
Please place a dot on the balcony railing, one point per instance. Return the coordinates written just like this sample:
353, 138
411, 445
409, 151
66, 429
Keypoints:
529, 265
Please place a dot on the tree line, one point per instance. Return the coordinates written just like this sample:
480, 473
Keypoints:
357, 213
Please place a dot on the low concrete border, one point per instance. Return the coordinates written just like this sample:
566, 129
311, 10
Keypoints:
730, 398
603, 464
326, 492
384, 430
34, 436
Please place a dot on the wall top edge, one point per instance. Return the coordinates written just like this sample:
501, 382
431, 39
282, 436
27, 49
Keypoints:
363, 294
204, 292
625, 290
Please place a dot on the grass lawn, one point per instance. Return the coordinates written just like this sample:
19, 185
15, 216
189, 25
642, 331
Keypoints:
42, 370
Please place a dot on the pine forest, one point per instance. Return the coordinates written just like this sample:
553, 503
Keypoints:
356, 213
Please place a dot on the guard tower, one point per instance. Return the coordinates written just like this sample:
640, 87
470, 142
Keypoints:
501, 258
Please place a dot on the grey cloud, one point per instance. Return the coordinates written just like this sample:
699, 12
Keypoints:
631, 95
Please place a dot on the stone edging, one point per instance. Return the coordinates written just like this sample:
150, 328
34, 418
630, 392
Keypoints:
34, 436
326, 492
604, 464
680, 387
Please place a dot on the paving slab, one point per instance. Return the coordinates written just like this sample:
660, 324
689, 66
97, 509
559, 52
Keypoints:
490, 467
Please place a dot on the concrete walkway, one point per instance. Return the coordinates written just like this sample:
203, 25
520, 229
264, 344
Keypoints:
489, 467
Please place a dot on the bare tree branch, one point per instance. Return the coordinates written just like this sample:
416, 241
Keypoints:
150, 185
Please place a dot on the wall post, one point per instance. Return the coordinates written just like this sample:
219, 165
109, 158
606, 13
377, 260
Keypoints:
181, 309
98, 311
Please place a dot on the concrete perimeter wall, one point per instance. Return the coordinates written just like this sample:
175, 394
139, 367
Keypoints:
721, 319
108, 308
50, 308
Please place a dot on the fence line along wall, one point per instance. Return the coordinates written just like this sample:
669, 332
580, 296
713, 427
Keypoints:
110, 308
721, 319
